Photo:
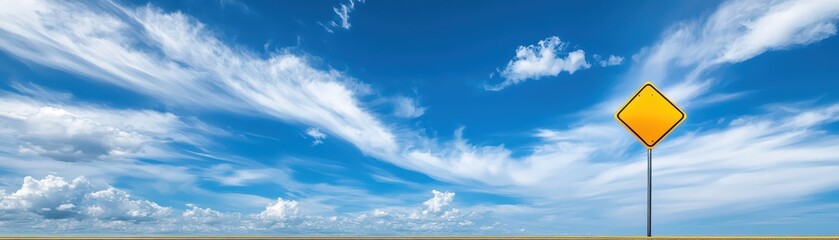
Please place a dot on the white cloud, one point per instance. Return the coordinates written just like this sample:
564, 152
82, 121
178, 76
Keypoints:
594, 150
460, 161
324, 99
55, 198
179, 56
773, 26
80, 205
720, 168
540, 60
237, 5
33, 90
86, 132
612, 60
280, 210
285, 86
438, 202
343, 12
695, 173
379, 213
236, 175
115, 204
735, 32
405, 107
201, 215
43, 136
316, 134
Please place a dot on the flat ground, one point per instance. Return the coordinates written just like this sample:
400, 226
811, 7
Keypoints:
428, 237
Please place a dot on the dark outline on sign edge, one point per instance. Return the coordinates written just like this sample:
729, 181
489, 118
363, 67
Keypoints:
665, 98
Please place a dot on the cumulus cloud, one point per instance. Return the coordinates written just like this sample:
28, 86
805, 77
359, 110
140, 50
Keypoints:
201, 215
54, 198
39, 136
438, 202
116, 204
282, 209
540, 60
379, 213
80, 205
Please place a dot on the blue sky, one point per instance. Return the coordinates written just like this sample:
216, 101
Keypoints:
415, 117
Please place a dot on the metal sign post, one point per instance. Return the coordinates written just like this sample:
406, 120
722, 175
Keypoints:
649, 192
649, 116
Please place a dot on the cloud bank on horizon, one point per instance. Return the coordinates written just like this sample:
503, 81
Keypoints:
167, 124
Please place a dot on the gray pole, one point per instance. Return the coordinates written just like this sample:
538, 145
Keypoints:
649, 191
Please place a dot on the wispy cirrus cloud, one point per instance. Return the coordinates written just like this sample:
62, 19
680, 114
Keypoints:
405, 107
179, 54
343, 16
735, 32
81, 132
599, 146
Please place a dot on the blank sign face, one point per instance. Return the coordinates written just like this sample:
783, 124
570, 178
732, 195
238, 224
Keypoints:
649, 115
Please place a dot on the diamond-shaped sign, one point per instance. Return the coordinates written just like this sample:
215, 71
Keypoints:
649, 115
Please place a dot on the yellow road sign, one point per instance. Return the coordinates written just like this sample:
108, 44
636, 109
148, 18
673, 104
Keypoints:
649, 115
